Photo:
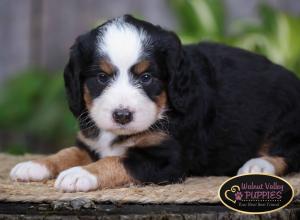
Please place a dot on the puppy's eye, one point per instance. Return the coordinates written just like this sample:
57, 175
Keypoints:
146, 78
103, 78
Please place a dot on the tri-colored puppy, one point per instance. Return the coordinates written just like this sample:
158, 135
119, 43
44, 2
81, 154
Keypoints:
153, 110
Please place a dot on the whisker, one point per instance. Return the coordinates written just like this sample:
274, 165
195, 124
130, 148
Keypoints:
85, 112
88, 127
84, 119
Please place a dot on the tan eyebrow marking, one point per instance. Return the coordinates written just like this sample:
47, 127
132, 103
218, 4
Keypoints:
106, 67
141, 67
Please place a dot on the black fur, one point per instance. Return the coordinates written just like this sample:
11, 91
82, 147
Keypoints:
224, 104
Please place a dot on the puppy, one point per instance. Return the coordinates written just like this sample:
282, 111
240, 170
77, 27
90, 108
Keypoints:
151, 110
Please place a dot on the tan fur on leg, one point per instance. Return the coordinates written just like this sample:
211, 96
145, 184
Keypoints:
65, 159
278, 163
110, 172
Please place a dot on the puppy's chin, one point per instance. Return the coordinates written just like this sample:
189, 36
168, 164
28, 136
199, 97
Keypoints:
126, 129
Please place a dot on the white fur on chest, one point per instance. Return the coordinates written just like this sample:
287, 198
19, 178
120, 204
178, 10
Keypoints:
102, 145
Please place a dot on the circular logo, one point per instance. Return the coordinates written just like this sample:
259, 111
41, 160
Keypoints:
256, 193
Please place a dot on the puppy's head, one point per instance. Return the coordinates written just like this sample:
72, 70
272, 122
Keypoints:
120, 73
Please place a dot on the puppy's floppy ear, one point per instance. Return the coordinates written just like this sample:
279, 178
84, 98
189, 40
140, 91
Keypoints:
178, 80
72, 83
80, 58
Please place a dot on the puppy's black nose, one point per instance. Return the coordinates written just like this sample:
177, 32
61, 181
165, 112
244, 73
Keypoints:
122, 116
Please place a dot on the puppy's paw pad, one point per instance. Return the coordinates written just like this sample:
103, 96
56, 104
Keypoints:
76, 179
257, 165
29, 171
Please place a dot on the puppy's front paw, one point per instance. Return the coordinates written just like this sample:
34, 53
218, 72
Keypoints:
76, 179
30, 171
257, 165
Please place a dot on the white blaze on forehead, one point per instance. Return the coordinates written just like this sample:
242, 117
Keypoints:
122, 43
